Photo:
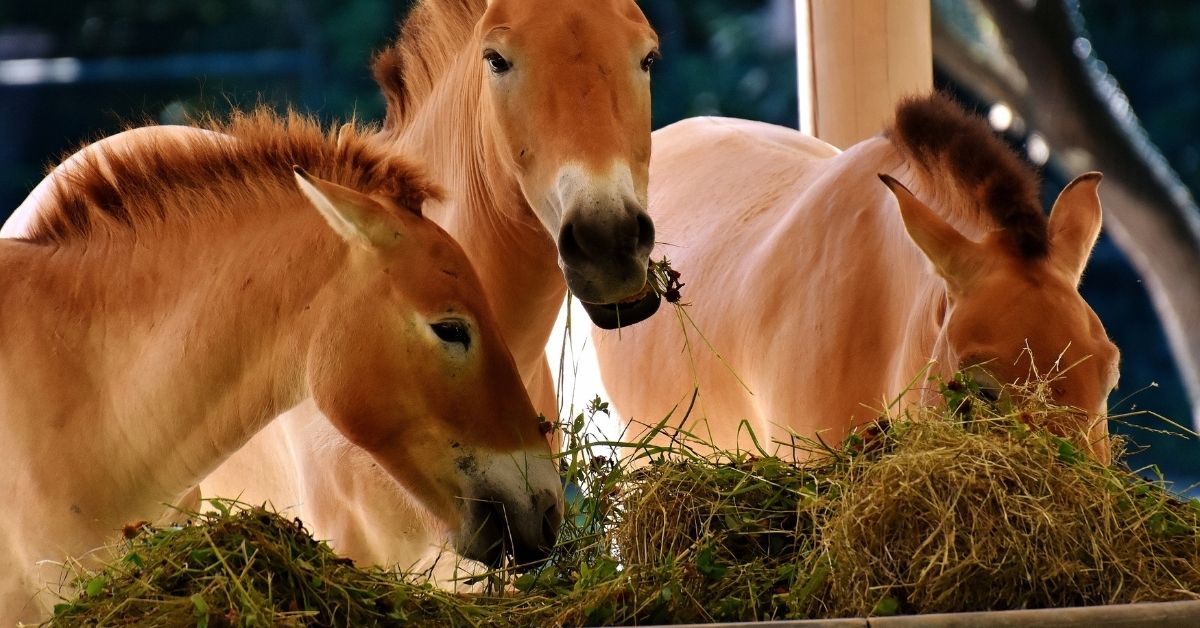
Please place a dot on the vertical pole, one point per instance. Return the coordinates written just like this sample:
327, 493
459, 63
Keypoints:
804, 68
864, 55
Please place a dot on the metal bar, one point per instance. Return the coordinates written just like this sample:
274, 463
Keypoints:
1146, 615
69, 70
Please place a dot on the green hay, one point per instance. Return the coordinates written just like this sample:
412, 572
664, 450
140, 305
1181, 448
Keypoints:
958, 508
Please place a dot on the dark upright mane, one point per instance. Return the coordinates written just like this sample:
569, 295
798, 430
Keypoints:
429, 37
173, 178
945, 141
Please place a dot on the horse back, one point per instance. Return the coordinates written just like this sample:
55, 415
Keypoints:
785, 244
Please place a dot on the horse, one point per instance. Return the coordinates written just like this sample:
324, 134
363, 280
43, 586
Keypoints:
826, 294
535, 116
167, 304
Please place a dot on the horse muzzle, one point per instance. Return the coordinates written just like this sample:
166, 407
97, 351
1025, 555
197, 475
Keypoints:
604, 248
511, 504
495, 528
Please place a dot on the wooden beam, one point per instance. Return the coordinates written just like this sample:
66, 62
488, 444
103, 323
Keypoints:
862, 56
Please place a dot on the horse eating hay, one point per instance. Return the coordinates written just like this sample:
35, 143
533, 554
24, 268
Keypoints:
169, 303
828, 293
535, 116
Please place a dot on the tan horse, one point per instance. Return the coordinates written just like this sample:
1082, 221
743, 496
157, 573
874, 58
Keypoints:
828, 292
168, 304
535, 116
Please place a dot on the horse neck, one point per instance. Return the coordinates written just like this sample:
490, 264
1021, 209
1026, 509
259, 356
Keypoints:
189, 347
924, 351
847, 188
486, 212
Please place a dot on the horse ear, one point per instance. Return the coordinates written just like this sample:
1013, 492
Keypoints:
954, 256
1075, 224
353, 215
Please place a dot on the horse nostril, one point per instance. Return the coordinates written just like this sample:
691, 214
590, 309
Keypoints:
645, 232
551, 521
597, 236
568, 244
549, 532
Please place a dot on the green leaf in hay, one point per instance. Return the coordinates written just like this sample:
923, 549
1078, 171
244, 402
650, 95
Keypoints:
524, 583
1164, 524
605, 569
1067, 452
597, 405
472, 580
813, 583
202, 556
221, 506
600, 615
200, 611
786, 573
730, 609
95, 586
65, 608
887, 606
134, 559
708, 565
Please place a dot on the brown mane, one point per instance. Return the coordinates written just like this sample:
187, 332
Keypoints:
945, 141
430, 36
177, 178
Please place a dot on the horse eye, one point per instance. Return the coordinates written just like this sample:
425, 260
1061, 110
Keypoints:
453, 332
497, 63
650, 60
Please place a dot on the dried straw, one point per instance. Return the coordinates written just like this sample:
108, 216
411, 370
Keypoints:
962, 507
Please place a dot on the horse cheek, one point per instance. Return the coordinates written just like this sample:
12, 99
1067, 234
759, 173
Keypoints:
357, 395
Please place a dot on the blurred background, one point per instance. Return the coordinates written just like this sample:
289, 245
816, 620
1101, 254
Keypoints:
76, 70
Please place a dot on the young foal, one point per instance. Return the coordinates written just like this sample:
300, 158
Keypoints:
828, 292
170, 303
535, 115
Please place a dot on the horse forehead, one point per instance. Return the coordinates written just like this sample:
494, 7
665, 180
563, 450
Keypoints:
1045, 318
438, 272
569, 24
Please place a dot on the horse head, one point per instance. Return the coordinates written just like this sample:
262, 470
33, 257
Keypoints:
567, 90
1010, 317
408, 365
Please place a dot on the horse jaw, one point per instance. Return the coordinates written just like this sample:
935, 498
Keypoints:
624, 313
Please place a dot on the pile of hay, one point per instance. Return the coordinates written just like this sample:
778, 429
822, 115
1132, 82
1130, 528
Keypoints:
962, 509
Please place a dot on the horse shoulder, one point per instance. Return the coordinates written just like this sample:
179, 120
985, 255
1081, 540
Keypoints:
714, 179
717, 189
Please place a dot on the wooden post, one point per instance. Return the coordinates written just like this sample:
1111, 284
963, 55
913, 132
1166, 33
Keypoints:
855, 59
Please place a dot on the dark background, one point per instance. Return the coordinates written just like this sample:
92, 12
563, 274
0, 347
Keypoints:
164, 60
